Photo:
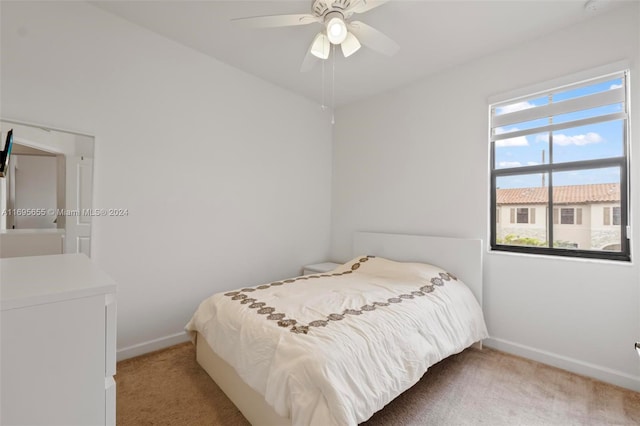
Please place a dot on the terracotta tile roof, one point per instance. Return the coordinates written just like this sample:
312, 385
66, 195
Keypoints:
571, 194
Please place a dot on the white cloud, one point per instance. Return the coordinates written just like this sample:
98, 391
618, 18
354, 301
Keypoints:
507, 164
532, 163
542, 138
518, 106
578, 140
615, 86
517, 141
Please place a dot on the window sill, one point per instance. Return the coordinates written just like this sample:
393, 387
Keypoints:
626, 263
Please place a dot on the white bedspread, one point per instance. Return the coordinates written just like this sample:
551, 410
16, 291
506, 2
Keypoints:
335, 348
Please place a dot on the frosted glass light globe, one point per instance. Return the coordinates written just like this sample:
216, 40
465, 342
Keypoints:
336, 30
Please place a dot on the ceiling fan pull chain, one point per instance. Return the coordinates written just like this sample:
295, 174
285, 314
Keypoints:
333, 86
324, 105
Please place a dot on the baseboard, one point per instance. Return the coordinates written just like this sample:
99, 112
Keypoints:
151, 345
604, 374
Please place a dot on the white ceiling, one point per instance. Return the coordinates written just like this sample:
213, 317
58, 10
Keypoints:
433, 36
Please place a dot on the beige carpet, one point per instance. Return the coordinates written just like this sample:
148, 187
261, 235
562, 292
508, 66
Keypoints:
474, 387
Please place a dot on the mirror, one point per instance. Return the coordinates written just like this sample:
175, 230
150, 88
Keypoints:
46, 195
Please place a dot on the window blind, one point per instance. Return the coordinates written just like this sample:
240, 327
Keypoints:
509, 118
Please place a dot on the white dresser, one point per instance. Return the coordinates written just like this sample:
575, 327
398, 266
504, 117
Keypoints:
57, 342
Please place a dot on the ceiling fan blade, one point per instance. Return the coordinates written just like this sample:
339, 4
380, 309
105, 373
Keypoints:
373, 38
274, 21
366, 5
309, 62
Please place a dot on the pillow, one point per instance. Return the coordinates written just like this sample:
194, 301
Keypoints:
386, 268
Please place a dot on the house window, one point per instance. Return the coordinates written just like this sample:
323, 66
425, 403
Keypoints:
568, 216
616, 216
523, 215
554, 148
611, 215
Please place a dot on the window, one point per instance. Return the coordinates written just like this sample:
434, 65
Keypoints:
564, 153
523, 216
611, 216
568, 216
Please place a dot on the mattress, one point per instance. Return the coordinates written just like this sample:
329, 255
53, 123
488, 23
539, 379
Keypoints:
335, 348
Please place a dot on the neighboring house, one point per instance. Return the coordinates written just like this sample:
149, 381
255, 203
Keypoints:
584, 216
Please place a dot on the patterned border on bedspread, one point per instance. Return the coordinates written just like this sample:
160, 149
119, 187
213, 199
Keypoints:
298, 328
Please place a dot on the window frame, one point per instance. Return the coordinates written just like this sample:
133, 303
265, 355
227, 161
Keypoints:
620, 162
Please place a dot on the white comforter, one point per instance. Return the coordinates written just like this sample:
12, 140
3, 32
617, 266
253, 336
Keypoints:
335, 348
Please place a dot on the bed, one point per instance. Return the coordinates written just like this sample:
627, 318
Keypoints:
335, 348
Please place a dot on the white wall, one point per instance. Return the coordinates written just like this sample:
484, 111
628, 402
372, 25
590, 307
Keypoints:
416, 161
36, 182
226, 178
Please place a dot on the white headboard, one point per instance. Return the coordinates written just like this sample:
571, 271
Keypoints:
462, 257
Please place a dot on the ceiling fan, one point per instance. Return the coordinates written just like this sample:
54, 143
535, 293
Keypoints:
338, 28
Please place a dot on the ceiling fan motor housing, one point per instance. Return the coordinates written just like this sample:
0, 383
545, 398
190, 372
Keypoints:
321, 7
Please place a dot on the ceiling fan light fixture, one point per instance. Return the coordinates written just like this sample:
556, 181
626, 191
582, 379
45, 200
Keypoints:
336, 27
350, 45
320, 46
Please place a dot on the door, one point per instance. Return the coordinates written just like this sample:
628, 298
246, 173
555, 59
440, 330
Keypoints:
78, 205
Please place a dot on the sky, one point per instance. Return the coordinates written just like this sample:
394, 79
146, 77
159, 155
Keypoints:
601, 140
